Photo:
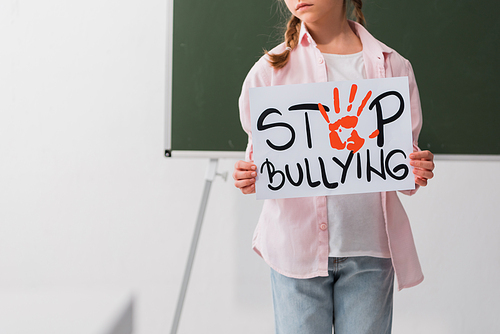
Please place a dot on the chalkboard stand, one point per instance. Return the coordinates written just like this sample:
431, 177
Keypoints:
209, 177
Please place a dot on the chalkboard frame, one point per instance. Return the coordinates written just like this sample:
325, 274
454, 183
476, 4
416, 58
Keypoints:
241, 55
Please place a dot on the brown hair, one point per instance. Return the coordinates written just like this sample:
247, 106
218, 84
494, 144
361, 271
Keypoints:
279, 60
357, 13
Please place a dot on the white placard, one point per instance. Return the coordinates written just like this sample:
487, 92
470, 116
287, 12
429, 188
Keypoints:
330, 138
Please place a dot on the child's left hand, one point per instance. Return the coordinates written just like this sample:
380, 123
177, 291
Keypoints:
423, 163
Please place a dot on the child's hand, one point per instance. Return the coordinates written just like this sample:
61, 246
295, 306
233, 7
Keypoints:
423, 163
244, 176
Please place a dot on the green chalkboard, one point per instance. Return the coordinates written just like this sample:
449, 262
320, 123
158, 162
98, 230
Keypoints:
215, 43
452, 45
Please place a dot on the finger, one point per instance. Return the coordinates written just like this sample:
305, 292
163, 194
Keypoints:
240, 184
423, 173
248, 190
245, 165
420, 182
426, 155
424, 164
242, 175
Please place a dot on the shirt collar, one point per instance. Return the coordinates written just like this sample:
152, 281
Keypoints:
304, 36
370, 44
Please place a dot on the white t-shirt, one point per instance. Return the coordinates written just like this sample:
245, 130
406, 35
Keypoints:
356, 224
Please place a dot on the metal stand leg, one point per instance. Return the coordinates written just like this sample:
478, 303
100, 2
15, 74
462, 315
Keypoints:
211, 173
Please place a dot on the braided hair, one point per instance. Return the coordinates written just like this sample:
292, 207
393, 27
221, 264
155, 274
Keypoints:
279, 60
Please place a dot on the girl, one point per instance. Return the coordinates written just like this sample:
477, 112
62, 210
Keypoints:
332, 263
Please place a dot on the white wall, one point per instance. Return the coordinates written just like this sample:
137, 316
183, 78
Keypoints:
87, 198
456, 225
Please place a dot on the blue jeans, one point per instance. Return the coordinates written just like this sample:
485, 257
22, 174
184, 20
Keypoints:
356, 298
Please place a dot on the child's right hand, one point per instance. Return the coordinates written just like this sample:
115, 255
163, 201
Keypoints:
244, 176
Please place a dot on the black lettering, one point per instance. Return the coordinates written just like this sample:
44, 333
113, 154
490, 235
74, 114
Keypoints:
271, 172
345, 167
289, 177
261, 127
307, 106
323, 176
399, 167
308, 132
308, 172
370, 169
381, 121
359, 165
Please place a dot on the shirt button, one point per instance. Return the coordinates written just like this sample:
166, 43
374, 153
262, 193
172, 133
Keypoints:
323, 226
320, 60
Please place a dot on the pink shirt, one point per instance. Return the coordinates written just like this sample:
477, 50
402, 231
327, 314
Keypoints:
292, 234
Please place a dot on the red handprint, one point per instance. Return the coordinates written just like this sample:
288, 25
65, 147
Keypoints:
354, 142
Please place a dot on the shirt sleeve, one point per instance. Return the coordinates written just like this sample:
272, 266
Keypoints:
257, 77
416, 115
